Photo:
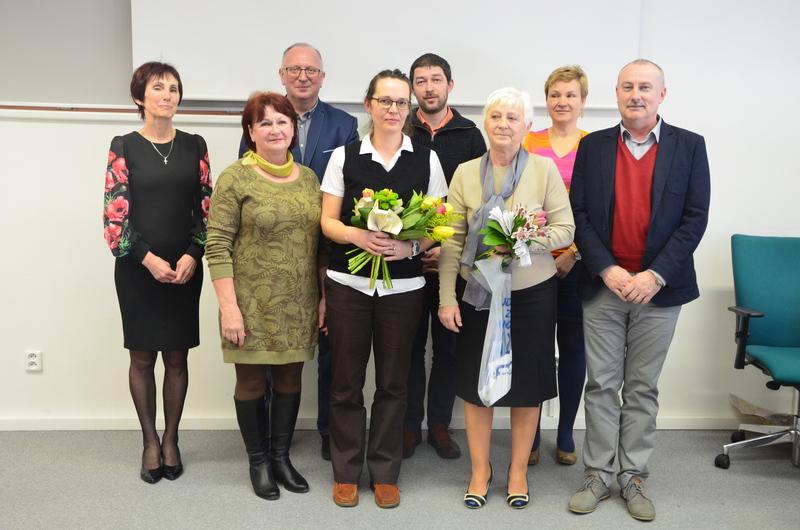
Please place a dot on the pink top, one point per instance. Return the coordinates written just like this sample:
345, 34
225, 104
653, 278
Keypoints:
539, 143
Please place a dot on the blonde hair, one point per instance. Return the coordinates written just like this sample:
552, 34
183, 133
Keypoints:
568, 73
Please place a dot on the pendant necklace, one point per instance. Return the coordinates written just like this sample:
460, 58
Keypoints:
165, 157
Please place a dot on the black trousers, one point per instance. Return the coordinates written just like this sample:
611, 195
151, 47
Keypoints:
358, 323
442, 380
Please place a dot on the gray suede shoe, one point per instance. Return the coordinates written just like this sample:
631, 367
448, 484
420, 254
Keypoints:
586, 499
639, 506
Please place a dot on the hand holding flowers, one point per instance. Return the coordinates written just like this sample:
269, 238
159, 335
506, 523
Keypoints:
519, 230
387, 219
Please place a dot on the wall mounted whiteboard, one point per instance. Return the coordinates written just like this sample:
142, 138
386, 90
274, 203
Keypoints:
226, 50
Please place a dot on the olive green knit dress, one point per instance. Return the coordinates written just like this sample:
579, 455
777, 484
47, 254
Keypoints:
265, 236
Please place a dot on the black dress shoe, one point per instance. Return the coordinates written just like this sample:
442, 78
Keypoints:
325, 450
172, 472
151, 476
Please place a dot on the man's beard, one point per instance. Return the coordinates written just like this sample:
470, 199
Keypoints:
436, 108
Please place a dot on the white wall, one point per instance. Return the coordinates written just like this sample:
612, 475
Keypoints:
730, 77
368, 37
65, 52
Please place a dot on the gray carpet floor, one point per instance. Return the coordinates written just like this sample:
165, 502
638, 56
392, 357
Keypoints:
89, 479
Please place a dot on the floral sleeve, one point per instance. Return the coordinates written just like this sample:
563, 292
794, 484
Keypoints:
120, 236
202, 202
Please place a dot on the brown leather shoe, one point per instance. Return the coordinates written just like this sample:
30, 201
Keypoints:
386, 495
441, 440
534, 457
565, 457
411, 439
345, 495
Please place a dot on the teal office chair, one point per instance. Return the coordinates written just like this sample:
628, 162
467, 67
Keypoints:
766, 280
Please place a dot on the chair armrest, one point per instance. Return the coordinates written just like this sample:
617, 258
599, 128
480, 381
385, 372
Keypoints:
743, 316
745, 312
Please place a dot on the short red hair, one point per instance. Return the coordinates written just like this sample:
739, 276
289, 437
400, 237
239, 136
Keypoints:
254, 112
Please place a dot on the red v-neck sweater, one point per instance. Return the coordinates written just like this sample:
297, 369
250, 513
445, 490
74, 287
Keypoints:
633, 184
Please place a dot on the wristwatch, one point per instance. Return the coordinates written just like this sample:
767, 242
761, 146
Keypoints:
415, 250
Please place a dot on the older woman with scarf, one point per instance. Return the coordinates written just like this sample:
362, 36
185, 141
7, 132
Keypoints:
504, 177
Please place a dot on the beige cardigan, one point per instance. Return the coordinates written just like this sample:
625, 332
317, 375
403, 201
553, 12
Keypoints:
540, 186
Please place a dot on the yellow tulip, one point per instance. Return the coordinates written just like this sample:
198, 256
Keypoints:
430, 202
443, 232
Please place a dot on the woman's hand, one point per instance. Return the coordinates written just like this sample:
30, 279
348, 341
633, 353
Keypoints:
376, 243
159, 268
564, 263
430, 259
184, 269
450, 317
398, 250
323, 326
232, 325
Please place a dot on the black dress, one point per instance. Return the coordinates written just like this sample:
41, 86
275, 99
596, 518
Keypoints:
160, 208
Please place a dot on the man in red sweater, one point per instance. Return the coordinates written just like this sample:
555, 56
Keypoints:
640, 194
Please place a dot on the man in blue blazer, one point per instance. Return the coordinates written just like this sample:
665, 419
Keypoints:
640, 194
321, 128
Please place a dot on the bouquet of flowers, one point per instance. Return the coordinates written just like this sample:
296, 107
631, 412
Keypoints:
519, 230
383, 211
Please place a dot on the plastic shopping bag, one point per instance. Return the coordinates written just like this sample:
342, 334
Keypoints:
494, 380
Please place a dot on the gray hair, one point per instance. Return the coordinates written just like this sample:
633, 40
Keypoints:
304, 45
511, 97
641, 62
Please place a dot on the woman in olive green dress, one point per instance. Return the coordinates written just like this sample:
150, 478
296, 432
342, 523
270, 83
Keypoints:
263, 233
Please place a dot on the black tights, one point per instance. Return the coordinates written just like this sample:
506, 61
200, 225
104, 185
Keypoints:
143, 391
251, 379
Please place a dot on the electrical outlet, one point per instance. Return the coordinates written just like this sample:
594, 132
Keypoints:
33, 361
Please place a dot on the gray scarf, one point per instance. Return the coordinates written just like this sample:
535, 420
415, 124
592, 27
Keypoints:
477, 294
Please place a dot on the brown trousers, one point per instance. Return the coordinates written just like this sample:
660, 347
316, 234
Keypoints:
356, 324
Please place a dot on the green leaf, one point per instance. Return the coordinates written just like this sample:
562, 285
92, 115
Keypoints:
416, 233
495, 225
494, 240
411, 220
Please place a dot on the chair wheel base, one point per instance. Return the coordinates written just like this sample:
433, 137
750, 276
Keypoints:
737, 436
722, 461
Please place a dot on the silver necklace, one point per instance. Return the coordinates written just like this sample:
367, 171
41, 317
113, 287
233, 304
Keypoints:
165, 157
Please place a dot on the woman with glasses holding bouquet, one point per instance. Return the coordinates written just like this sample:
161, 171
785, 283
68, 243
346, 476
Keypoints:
378, 318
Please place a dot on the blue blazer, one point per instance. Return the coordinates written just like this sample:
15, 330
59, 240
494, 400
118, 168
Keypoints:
678, 210
330, 128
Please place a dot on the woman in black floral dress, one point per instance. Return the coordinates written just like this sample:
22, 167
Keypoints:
155, 208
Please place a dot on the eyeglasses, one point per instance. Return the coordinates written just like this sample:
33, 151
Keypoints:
386, 103
294, 71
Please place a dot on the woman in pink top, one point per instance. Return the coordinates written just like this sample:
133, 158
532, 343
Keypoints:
565, 90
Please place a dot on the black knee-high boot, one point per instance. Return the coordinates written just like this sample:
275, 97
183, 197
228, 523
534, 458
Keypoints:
254, 426
284, 416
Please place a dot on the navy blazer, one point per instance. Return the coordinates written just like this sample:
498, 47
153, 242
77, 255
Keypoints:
678, 210
330, 128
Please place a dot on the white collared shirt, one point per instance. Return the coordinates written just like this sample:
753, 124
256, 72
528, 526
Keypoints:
333, 183
639, 149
